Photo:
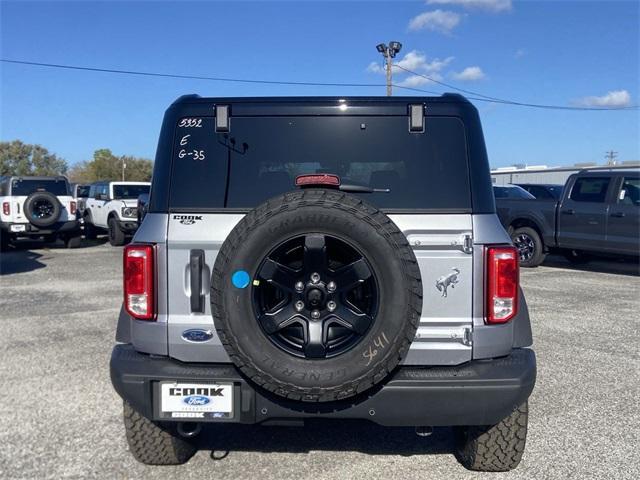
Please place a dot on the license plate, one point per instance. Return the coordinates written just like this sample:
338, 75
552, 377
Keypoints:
197, 400
18, 228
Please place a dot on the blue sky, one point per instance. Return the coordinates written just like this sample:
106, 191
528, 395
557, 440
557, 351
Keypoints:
560, 52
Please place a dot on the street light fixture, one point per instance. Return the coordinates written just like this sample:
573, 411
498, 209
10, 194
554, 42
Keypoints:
389, 52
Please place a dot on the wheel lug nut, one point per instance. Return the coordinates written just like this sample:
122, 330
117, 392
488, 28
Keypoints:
331, 287
315, 277
299, 305
299, 286
331, 305
315, 314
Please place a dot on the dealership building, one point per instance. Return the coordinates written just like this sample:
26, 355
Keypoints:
554, 175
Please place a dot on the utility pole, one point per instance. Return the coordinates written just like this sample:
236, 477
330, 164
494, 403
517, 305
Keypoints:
611, 157
389, 52
124, 165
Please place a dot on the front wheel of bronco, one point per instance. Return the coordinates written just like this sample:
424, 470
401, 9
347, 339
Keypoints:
117, 237
494, 448
153, 444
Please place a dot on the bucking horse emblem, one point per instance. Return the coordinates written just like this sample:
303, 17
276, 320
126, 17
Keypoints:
446, 281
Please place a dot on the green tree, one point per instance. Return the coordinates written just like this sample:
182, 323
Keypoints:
107, 166
19, 158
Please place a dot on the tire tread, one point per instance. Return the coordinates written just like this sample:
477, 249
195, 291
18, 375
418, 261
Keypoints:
151, 444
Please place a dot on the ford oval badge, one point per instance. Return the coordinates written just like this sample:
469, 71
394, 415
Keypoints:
197, 335
195, 400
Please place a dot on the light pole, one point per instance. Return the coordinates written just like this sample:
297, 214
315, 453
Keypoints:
389, 52
124, 165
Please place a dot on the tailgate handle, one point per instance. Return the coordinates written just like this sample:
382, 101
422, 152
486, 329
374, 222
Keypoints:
196, 263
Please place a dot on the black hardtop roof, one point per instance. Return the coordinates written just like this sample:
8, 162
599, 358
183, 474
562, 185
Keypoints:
444, 98
448, 104
35, 177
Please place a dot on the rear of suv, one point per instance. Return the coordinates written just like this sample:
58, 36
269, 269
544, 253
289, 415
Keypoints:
323, 258
38, 207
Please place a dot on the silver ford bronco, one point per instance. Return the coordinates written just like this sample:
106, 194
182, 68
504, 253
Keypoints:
334, 258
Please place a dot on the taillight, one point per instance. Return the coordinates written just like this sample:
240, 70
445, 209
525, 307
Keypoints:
6, 208
72, 208
502, 284
139, 282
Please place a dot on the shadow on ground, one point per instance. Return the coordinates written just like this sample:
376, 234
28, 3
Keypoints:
17, 261
616, 266
22, 256
338, 436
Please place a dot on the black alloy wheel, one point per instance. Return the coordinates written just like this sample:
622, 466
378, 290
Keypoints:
321, 296
42, 209
530, 246
525, 245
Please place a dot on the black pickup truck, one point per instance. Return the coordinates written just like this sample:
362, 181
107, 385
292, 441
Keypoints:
598, 212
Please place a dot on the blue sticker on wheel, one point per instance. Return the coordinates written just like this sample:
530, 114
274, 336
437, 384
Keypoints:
240, 279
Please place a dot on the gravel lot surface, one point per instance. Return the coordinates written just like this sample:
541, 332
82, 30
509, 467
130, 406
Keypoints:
61, 418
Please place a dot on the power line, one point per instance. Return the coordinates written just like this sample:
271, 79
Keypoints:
477, 96
190, 77
448, 85
485, 98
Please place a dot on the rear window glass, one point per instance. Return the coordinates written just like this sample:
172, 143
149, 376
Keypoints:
261, 156
123, 192
590, 189
27, 187
82, 191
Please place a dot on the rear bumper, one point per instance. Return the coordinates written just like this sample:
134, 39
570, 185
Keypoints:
70, 227
481, 392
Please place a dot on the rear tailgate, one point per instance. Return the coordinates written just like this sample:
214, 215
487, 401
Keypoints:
443, 337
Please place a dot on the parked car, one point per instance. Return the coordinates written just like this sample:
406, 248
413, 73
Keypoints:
598, 213
543, 191
111, 207
80, 193
323, 258
37, 207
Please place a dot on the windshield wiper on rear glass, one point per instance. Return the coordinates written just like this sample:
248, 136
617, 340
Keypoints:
362, 189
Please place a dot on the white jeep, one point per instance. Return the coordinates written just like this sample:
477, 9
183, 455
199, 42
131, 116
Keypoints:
38, 207
112, 206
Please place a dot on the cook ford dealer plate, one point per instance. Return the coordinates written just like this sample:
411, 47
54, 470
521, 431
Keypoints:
197, 400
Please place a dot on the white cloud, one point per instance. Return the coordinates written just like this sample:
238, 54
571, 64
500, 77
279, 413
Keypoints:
417, 61
414, 81
614, 98
521, 52
375, 67
488, 5
438, 20
469, 74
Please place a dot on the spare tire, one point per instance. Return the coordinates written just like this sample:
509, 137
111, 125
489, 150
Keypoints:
316, 295
42, 209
